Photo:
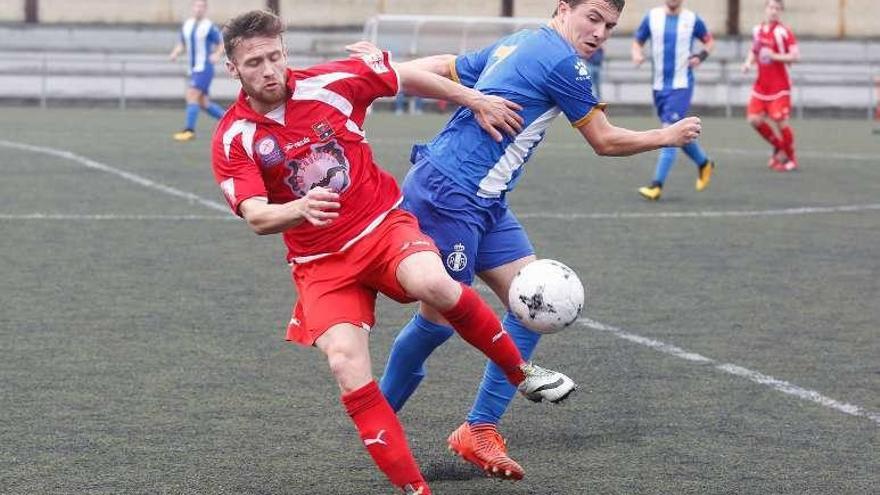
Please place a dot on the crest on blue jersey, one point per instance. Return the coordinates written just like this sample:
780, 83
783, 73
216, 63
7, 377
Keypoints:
457, 260
583, 72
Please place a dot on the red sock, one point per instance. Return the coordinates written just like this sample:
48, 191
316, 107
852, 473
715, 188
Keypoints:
788, 142
767, 133
382, 434
475, 321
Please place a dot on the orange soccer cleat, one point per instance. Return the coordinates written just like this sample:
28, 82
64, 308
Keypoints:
483, 446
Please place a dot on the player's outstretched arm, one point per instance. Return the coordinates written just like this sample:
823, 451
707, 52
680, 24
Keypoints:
175, 52
437, 64
609, 140
494, 114
638, 56
750, 61
318, 207
793, 55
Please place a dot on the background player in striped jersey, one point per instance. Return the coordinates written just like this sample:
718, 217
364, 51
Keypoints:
672, 30
201, 40
459, 183
774, 47
291, 158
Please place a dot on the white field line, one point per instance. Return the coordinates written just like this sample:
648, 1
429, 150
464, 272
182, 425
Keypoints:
559, 147
806, 210
137, 179
143, 181
760, 378
75, 217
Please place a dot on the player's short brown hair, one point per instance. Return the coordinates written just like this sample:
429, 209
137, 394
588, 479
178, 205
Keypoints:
617, 4
253, 24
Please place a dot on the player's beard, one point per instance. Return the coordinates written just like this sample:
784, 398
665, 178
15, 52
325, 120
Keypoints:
269, 95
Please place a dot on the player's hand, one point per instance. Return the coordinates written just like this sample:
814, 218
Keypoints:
694, 61
363, 48
496, 115
746, 67
214, 58
638, 58
685, 131
318, 206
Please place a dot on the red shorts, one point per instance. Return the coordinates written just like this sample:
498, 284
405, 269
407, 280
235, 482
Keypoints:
342, 288
777, 109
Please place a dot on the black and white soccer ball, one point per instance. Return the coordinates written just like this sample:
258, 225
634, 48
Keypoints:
546, 296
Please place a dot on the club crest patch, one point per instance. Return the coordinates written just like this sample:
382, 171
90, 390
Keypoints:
324, 166
323, 130
269, 152
457, 259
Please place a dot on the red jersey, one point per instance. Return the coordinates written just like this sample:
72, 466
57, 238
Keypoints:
773, 80
315, 139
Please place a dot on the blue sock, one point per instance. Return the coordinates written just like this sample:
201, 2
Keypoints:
664, 164
495, 391
192, 113
215, 110
406, 361
696, 153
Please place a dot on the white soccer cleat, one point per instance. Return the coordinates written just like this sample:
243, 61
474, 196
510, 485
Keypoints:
543, 384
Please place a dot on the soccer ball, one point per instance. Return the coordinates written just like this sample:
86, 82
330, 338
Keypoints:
546, 296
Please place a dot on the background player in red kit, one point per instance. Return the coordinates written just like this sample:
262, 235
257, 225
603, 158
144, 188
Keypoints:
291, 157
774, 46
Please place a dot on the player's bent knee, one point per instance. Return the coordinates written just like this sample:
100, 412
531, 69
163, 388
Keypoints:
437, 290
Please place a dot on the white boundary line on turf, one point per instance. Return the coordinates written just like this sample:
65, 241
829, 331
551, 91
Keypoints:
760, 378
725, 151
214, 205
137, 179
75, 217
703, 214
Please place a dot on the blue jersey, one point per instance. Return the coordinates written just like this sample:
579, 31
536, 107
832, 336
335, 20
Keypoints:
672, 39
200, 37
537, 69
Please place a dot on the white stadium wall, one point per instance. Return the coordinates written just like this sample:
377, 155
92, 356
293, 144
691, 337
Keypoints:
822, 18
140, 12
11, 11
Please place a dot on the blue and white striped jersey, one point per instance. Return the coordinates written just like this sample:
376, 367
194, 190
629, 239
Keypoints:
672, 39
200, 37
537, 69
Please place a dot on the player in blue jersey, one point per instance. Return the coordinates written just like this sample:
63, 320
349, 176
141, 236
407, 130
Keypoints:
459, 183
201, 40
672, 30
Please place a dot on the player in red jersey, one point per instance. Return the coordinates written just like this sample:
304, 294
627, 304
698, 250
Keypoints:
774, 47
291, 157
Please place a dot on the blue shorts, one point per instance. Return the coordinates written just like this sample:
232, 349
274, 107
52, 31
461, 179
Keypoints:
473, 234
201, 80
673, 104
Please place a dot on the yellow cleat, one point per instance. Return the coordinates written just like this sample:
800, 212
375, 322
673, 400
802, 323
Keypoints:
184, 135
651, 193
704, 175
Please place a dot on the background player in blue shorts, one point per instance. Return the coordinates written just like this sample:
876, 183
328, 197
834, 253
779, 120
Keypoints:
204, 46
459, 182
672, 30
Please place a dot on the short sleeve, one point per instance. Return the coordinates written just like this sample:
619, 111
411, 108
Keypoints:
214, 36
571, 88
643, 32
466, 69
701, 32
790, 40
236, 173
374, 78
